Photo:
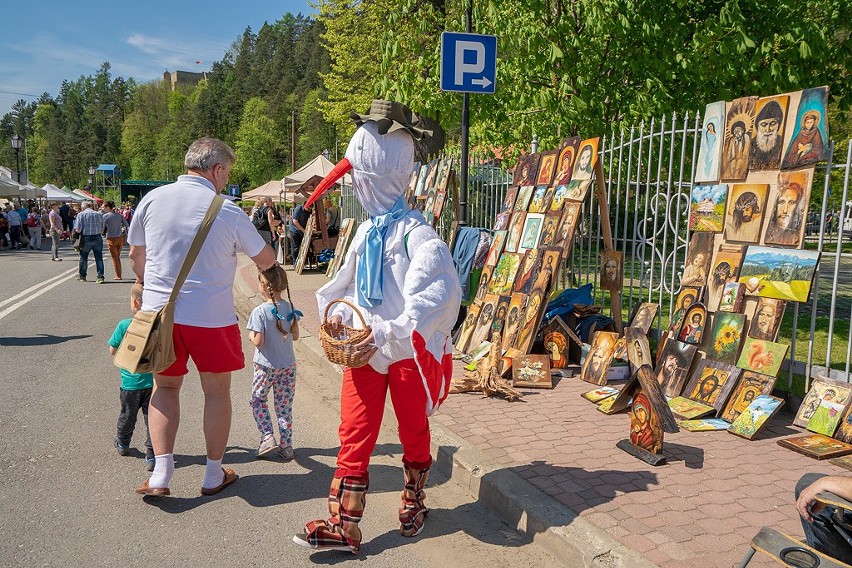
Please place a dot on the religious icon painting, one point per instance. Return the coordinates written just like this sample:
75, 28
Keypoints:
420, 188
484, 282
576, 190
769, 120
546, 168
531, 232
710, 152
612, 276
649, 413
412, 185
707, 207
712, 383
429, 206
762, 356
526, 169
732, 297
497, 243
755, 416
565, 161
482, 330
445, 175
516, 228
587, 157
638, 348
698, 258
501, 222
767, 319
600, 394
509, 199
598, 360
821, 389
808, 138
531, 371
726, 337
548, 231
522, 202
644, 315
549, 264
739, 131
724, 268
469, 325
555, 338
844, 430
539, 201
749, 387
568, 226
533, 312
694, 324
745, 212
514, 316
500, 315
827, 416
504, 273
673, 366
788, 208
816, 446
686, 409
686, 297
783, 274
525, 278
438, 209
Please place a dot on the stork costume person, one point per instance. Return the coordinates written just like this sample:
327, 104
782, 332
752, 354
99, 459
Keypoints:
401, 276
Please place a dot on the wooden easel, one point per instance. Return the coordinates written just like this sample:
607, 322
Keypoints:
606, 233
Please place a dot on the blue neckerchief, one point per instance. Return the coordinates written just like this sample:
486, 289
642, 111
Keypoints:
368, 278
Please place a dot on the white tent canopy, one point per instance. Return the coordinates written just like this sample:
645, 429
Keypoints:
319, 167
56, 194
273, 189
8, 187
31, 191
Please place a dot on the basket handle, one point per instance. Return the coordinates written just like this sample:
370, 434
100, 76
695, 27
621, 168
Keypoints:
348, 303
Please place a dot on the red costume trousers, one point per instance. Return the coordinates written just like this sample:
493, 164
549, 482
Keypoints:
362, 404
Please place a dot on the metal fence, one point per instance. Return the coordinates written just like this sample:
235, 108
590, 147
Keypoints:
648, 172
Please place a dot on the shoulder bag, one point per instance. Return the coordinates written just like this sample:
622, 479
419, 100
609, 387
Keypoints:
147, 346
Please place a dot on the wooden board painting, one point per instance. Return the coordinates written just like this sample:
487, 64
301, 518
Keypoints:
540, 199
531, 371
827, 417
844, 430
807, 140
768, 141
599, 358
687, 409
650, 415
549, 265
344, 237
578, 189
732, 297
644, 316
762, 356
783, 274
638, 348
587, 157
673, 368
525, 192
694, 325
788, 208
712, 383
739, 130
505, 272
533, 312
707, 207
704, 425
513, 319
687, 296
600, 394
516, 227
767, 319
749, 387
612, 276
568, 226
821, 388
555, 337
698, 258
549, 229
531, 232
844, 462
468, 326
526, 170
605, 406
817, 446
509, 198
497, 243
305, 246
755, 417
501, 221
746, 211
500, 315
546, 168
712, 135
482, 328
726, 337
565, 161
724, 268
526, 274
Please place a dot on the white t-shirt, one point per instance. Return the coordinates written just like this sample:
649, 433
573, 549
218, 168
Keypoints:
165, 223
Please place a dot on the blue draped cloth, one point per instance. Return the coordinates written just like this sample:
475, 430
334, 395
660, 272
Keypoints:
368, 276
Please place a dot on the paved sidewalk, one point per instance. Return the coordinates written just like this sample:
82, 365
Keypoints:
548, 465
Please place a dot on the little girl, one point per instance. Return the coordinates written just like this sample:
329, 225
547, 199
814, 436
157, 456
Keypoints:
273, 326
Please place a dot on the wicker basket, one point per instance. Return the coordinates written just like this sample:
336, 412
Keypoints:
340, 345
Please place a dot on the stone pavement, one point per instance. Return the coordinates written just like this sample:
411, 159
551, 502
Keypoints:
548, 466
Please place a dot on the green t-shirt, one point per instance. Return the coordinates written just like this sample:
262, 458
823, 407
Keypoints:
129, 381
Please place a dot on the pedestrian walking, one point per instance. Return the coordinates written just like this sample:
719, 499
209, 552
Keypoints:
15, 227
273, 327
55, 226
115, 228
205, 329
135, 391
90, 224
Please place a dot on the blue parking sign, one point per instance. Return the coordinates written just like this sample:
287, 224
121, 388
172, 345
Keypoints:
468, 62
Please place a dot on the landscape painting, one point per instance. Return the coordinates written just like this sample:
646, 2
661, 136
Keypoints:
762, 356
827, 417
784, 274
599, 394
808, 142
753, 418
707, 208
732, 297
745, 212
704, 425
821, 388
710, 152
817, 446
504, 273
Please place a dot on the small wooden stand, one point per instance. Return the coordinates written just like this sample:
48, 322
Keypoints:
642, 454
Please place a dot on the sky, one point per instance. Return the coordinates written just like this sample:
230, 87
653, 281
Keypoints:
48, 41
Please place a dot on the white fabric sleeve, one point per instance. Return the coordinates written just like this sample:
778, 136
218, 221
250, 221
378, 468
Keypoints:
248, 239
255, 320
136, 233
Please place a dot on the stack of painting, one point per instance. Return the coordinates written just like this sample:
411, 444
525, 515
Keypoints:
428, 186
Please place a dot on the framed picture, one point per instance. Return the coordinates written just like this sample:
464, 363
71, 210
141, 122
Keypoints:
531, 232
827, 416
546, 168
612, 275
745, 212
531, 371
712, 383
724, 268
698, 258
783, 274
599, 358
788, 209
753, 418
707, 207
768, 142
514, 317
710, 152
749, 387
686, 297
726, 337
807, 139
821, 388
694, 324
817, 446
643, 316
762, 356
556, 338
767, 319
739, 131
673, 368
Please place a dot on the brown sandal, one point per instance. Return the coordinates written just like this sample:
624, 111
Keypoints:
152, 491
230, 477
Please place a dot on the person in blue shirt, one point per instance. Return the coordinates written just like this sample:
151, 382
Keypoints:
135, 391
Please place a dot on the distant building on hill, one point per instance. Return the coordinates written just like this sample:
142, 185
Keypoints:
178, 79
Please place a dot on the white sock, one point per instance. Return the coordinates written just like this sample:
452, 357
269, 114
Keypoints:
213, 474
164, 467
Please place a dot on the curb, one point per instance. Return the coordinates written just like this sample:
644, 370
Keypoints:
571, 539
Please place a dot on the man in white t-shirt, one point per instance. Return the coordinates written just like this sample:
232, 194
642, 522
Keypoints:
163, 227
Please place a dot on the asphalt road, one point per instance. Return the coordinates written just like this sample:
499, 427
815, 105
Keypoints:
66, 497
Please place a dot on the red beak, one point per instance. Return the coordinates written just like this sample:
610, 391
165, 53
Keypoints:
342, 167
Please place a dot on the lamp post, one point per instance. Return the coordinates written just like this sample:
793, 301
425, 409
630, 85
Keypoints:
92, 179
326, 153
17, 141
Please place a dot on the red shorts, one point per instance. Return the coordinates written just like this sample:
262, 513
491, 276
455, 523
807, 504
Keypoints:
213, 349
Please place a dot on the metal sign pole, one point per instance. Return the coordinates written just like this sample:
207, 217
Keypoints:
465, 140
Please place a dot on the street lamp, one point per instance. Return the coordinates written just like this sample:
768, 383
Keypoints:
326, 153
92, 184
17, 142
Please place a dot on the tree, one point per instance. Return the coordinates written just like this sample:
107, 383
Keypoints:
257, 144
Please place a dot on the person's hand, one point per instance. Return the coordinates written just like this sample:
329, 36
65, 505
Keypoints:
334, 322
367, 341
807, 504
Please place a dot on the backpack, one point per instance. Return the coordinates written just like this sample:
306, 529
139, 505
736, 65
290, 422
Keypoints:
259, 220
32, 220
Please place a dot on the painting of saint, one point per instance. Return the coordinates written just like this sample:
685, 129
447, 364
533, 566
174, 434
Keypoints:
698, 258
430, 205
673, 368
522, 202
611, 270
546, 168
501, 222
531, 232
568, 225
586, 159
712, 383
707, 207
724, 268
513, 319
500, 315
548, 232
694, 322
526, 275
555, 338
745, 212
685, 298
821, 388
509, 199
516, 227
638, 349
707, 167
504, 273
420, 188
810, 133
767, 319
539, 201
789, 202
526, 169
739, 130
762, 356
576, 190
467, 328
482, 330
529, 324
644, 316
599, 358
750, 386
768, 141
484, 282
496, 249
645, 430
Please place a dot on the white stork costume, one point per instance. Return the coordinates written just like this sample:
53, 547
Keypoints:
401, 276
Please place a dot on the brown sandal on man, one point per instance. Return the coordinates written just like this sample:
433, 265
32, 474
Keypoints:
230, 477
152, 491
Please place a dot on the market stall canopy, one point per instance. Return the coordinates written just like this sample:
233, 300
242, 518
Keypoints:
317, 168
56, 194
89, 197
273, 189
8, 187
31, 191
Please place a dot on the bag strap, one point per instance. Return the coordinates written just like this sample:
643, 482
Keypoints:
197, 242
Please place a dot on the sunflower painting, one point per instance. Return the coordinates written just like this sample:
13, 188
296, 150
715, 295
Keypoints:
726, 337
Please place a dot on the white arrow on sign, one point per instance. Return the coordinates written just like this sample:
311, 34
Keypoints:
483, 82
478, 65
